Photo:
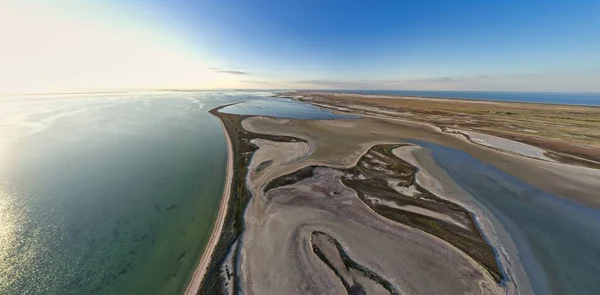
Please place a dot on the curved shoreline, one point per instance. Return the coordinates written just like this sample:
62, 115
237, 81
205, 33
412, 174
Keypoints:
196, 280
515, 280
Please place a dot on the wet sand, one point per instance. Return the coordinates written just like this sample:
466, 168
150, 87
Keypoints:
334, 152
436, 180
343, 137
274, 260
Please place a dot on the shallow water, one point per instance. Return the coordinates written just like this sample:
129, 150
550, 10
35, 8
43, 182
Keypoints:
282, 108
558, 240
108, 193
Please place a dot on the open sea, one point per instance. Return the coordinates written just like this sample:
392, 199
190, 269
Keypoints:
587, 99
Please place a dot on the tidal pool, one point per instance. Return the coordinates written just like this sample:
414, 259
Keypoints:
558, 240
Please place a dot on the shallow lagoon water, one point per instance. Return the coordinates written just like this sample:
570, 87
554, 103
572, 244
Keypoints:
282, 108
558, 240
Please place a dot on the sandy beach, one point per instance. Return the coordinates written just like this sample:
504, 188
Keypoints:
198, 275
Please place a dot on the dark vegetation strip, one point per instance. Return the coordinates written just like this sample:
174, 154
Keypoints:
351, 264
470, 241
213, 282
263, 165
296, 176
323, 258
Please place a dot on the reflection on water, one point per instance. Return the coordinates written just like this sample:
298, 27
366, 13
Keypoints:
560, 236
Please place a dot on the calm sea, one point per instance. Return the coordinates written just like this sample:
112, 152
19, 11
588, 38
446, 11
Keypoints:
112, 193
589, 99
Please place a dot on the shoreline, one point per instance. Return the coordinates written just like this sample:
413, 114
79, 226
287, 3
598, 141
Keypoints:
195, 282
515, 280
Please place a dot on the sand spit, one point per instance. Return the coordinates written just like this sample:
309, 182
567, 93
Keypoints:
503, 144
322, 213
221, 277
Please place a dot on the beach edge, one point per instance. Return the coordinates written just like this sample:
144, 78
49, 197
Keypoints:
193, 286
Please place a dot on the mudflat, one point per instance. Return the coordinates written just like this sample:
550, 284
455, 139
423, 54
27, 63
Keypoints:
351, 206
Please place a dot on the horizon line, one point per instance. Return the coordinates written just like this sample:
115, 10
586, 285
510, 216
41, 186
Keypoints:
127, 90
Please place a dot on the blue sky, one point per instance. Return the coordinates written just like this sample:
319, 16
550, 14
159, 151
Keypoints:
444, 45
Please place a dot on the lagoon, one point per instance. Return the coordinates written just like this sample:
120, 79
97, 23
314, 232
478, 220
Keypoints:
557, 240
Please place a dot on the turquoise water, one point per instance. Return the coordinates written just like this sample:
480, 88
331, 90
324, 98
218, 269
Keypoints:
557, 240
589, 99
108, 193
112, 193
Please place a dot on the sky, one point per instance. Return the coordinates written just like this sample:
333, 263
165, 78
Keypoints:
94, 45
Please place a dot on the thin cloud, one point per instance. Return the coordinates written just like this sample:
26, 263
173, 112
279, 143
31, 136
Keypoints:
259, 82
234, 72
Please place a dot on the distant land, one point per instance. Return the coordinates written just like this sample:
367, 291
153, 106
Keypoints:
569, 98
566, 98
